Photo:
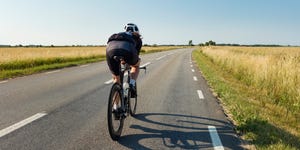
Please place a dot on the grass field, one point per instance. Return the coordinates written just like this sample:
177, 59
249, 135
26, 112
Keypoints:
260, 87
19, 61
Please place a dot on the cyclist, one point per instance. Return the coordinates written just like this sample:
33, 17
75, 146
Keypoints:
127, 44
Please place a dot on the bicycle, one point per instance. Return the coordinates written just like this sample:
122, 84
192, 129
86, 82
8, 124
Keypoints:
120, 102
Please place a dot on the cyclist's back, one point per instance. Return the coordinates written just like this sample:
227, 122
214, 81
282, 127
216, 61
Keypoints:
122, 40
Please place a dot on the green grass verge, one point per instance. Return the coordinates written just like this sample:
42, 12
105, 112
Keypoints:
26, 67
250, 117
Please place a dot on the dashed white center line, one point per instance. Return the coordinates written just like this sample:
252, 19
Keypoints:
83, 66
195, 78
160, 57
200, 94
109, 81
193, 70
3, 81
146, 64
215, 138
52, 71
20, 124
191, 65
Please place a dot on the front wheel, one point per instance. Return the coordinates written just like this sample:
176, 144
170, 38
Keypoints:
133, 103
114, 115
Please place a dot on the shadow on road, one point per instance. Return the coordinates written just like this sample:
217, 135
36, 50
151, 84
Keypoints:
178, 131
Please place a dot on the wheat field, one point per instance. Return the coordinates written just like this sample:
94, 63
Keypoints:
24, 53
275, 71
29, 53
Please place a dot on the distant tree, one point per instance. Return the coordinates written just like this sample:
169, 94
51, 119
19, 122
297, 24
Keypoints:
201, 44
210, 43
191, 43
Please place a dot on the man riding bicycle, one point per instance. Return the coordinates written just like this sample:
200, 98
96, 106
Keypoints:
128, 45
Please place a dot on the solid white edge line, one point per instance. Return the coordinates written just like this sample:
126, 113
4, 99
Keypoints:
52, 71
195, 78
200, 94
3, 81
20, 124
215, 138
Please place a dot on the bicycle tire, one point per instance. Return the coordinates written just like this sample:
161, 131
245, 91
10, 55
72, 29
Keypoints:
133, 104
115, 133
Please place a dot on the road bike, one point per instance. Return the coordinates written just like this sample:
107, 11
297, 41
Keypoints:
122, 101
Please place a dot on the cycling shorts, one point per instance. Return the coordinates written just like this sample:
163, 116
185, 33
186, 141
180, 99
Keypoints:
129, 57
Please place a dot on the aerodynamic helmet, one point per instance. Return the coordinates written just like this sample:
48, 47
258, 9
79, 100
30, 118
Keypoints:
130, 27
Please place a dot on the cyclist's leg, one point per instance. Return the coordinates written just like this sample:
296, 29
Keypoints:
113, 64
116, 79
135, 70
134, 61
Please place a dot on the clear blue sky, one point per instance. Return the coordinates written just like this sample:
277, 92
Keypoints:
68, 22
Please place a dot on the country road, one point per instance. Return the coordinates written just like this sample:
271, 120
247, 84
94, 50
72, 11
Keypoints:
66, 109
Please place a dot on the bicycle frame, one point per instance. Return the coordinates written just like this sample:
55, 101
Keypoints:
125, 92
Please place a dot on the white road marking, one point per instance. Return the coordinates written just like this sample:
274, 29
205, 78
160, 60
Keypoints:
109, 81
195, 78
200, 94
52, 71
20, 124
215, 138
160, 57
193, 70
191, 65
146, 64
3, 81
83, 66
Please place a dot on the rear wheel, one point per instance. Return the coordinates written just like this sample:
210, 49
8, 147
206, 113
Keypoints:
114, 115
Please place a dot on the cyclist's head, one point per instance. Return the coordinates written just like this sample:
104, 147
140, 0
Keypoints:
130, 27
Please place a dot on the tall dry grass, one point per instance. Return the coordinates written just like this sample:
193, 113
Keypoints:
23, 53
273, 71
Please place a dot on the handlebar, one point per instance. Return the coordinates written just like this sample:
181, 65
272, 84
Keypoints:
145, 68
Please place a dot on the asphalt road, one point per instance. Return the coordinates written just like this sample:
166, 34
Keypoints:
66, 109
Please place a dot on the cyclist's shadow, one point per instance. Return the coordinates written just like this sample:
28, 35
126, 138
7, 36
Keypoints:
174, 137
